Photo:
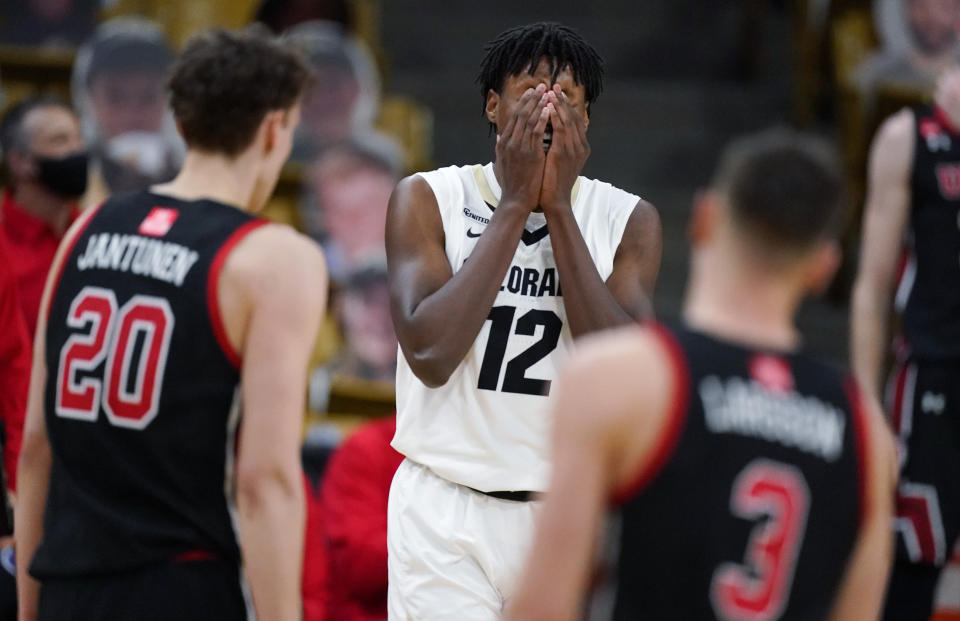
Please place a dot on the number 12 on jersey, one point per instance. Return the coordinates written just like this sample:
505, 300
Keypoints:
515, 378
133, 340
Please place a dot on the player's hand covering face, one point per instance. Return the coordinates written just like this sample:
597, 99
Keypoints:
520, 148
568, 152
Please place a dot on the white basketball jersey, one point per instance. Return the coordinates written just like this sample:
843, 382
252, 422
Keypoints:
488, 427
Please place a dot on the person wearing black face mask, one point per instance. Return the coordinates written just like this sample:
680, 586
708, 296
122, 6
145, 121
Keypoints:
46, 172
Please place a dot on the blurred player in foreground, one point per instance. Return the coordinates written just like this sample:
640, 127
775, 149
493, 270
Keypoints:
164, 311
493, 271
914, 201
753, 482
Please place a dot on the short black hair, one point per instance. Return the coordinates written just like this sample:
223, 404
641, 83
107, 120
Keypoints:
11, 126
521, 49
785, 187
224, 83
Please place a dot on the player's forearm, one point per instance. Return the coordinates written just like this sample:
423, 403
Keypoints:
589, 304
441, 329
33, 479
868, 323
271, 519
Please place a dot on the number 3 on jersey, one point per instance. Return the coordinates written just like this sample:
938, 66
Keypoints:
776, 494
133, 340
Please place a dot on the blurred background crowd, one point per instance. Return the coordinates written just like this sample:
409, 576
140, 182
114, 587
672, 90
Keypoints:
85, 116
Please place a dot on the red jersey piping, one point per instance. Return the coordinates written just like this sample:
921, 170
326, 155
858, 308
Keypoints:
861, 440
213, 279
671, 430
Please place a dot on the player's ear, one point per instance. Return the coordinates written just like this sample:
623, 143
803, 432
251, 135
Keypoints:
493, 104
822, 266
272, 123
703, 220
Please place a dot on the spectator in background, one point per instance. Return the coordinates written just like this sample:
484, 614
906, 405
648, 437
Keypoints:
353, 507
48, 23
347, 192
118, 86
363, 310
46, 170
14, 379
925, 45
344, 100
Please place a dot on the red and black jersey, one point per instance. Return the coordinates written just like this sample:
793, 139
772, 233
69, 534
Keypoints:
142, 399
751, 505
929, 291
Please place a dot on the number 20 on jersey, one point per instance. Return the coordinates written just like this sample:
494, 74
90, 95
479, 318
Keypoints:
133, 340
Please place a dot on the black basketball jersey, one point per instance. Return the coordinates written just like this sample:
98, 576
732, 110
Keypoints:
753, 504
929, 291
142, 399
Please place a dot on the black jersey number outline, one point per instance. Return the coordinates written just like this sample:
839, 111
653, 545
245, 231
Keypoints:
515, 378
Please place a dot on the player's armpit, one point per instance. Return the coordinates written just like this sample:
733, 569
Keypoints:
606, 407
637, 262
885, 218
862, 591
282, 281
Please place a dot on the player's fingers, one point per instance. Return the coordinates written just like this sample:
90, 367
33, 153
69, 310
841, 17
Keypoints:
507, 129
536, 136
578, 121
529, 113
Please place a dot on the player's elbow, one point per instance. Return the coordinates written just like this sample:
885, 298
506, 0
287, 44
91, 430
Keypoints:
869, 294
34, 452
261, 485
430, 366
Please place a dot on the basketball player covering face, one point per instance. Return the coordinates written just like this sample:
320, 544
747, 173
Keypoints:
752, 482
493, 271
149, 491
911, 234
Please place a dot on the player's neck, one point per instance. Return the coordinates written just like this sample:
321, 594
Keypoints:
731, 297
214, 177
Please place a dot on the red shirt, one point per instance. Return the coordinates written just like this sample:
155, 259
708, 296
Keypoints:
14, 367
31, 244
356, 485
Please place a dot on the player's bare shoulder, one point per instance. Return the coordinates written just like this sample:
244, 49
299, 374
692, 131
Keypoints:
621, 369
413, 206
276, 251
893, 146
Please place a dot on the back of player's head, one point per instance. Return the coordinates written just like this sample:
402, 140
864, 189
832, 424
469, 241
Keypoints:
783, 188
523, 47
224, 84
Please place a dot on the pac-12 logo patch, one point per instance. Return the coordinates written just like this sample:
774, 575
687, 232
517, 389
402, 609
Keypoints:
771, 372
158, 221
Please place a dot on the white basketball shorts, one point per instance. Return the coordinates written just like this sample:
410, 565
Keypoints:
453, 553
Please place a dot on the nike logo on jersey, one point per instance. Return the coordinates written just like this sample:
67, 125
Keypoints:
471, 234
